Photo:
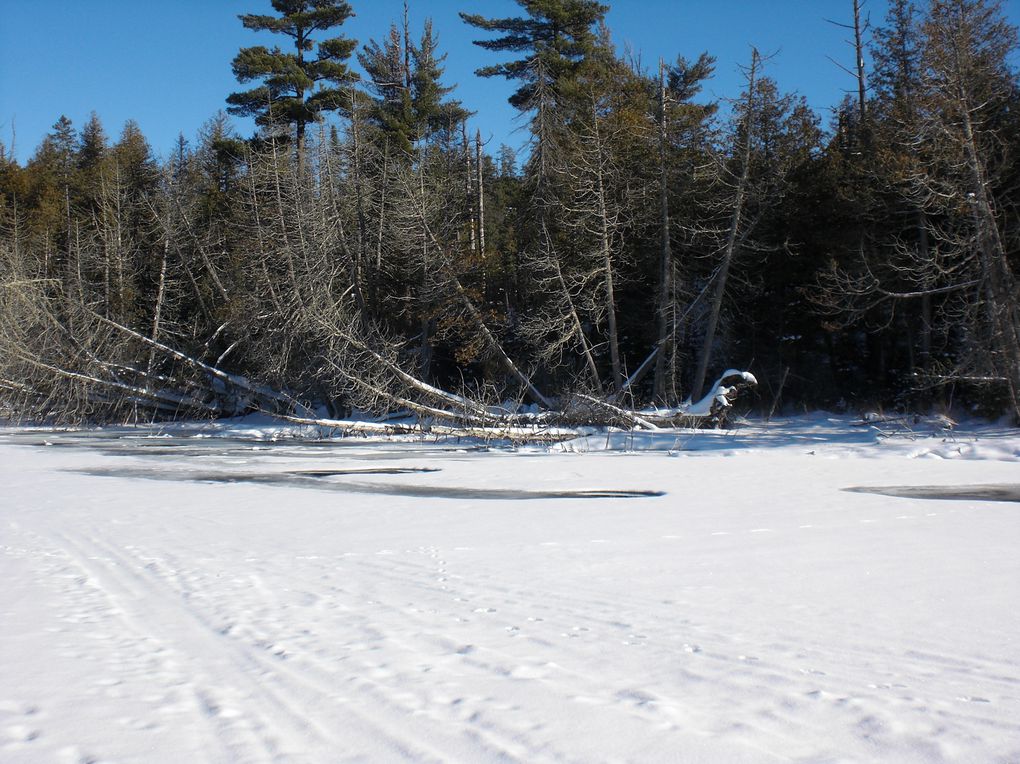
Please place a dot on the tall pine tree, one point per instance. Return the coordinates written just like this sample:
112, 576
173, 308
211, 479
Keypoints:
296, 87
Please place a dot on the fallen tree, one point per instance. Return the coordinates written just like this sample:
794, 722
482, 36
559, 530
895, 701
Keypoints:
73, 384
62, 360
581, 414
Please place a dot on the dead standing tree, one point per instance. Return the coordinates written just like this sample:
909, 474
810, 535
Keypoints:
665, 303
737, 228
596, 219
771, 134
682, 127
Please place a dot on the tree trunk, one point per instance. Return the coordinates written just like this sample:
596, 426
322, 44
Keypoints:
157, 312
926, 307
665, 256
382, 208
359, 193
425, 356
469, 193
859, 62
605, 243
481, 194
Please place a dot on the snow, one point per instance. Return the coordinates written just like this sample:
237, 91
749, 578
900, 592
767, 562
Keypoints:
246, 592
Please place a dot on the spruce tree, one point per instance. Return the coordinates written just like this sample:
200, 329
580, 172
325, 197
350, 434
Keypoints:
388, 67
433, 112
296, 87
62, 141
406, 79
92, 145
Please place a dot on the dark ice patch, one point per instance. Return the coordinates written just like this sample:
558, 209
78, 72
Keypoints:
321, 480
985, 492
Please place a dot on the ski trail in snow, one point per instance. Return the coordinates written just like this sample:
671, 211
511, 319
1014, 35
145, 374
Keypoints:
263, 704
223, 678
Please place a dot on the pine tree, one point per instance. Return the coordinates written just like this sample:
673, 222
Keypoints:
52, 179
62, 141
556, 35
295, 87
388, 67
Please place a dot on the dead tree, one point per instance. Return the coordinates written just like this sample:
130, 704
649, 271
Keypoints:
771, 134
664, 305
968, 90
597, 219
480, 193
741, 173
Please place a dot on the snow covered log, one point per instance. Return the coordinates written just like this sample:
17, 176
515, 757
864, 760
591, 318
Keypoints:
712, 409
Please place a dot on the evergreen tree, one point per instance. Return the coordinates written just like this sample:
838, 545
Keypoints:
295, 87
92, 144
388, 68
134, 160
219, 158
896, 53
555, 36
410, 99
62, 142
50, 183
433, 112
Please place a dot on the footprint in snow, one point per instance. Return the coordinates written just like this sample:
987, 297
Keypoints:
637, 697
21, 733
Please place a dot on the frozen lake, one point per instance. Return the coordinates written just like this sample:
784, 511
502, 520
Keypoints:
230, 593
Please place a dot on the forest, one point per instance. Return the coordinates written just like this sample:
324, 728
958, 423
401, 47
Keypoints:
363, 253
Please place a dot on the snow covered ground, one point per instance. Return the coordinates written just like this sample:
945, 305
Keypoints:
208, 594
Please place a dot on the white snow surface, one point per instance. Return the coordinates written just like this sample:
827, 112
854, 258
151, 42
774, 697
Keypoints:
205, 593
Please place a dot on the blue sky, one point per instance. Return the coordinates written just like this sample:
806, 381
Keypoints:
167, 64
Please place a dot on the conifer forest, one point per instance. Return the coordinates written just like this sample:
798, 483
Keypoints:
366, 253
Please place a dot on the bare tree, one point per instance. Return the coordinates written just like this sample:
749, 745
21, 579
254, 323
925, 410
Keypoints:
968, 91
737, 228
770, 135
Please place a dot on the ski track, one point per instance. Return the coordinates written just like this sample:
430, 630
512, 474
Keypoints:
185, 635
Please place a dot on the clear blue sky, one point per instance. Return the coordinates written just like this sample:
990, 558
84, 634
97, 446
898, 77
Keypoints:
167, 64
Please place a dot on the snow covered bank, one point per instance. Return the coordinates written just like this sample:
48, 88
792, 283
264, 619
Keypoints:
754, 612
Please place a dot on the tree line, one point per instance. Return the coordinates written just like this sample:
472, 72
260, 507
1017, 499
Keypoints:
365, 250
